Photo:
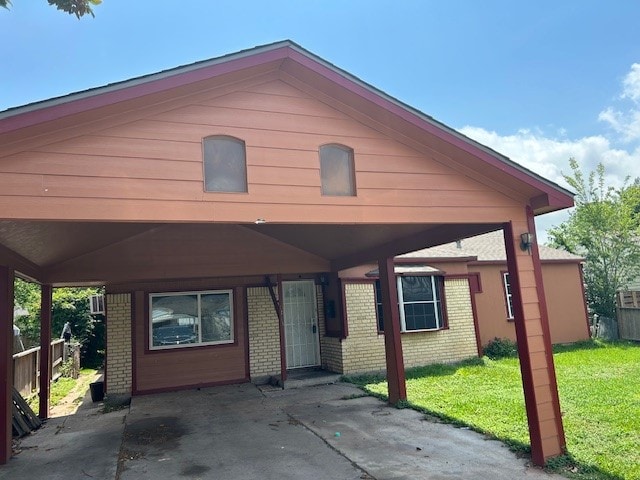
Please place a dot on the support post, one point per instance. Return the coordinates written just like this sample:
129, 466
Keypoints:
534, 347
46, 301
392, 341
6, 362
283, 340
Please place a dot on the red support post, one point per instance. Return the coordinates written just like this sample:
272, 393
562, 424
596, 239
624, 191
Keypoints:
6, 362
534, 349
46, 301
392, 341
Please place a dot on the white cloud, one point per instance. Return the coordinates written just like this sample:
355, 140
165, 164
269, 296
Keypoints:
549, 157
631, 84
626, 122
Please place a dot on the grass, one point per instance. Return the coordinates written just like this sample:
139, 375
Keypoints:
61, 388
599, 385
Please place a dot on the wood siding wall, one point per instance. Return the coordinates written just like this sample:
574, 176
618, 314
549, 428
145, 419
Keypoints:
565, 303
147, 166
172, 369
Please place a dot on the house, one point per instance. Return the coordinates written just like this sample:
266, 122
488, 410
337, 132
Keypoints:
466, 286
217, 203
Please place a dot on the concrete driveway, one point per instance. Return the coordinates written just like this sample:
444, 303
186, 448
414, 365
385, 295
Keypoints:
241, 432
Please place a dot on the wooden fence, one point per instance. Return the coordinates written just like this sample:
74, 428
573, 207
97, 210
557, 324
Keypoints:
629, 323
26, 367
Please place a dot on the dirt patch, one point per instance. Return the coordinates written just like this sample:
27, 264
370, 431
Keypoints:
160, 432
194, 470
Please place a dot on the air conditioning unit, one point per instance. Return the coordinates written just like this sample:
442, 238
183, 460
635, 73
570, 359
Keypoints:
96, 304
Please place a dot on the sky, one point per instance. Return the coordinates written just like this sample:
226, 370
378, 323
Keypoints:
537, 81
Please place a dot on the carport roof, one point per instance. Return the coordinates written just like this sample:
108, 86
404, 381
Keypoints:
35, 244
294, 60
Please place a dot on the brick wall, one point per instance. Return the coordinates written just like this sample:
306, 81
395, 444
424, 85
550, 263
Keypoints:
330, 348
118, 343
264, 334
364, 351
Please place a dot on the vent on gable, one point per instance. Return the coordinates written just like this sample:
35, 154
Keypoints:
96, 304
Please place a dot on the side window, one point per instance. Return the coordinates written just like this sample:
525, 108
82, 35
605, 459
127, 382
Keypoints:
225, 164
419, 303
337, 171
507, 294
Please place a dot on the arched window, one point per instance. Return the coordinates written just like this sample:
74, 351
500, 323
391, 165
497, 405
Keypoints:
337, 171
225, 164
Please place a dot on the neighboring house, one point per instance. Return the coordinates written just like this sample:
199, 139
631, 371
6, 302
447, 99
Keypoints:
486, 257
217, 203
459, 300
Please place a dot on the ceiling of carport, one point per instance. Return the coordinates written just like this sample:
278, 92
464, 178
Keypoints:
46, 245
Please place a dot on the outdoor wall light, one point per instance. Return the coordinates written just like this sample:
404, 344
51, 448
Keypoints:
526, 240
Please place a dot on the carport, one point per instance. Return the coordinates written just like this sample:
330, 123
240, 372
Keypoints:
105, 187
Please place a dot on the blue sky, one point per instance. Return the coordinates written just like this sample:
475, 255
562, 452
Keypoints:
537, 81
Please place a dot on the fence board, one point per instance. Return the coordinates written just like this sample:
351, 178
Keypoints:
26, 372
629, 323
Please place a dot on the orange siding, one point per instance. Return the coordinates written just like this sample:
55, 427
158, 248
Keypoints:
190, 251
142, 164
185, 367
565, 303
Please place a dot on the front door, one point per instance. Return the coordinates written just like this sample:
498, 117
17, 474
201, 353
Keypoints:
301, 324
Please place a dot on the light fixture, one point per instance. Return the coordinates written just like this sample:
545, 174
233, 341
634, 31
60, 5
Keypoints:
526, 240
323, 280
260, 221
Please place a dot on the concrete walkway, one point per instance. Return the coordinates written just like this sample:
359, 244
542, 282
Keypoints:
241, 432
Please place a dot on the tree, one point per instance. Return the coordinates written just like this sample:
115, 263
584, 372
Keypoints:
68, 305
78, 8
604, 229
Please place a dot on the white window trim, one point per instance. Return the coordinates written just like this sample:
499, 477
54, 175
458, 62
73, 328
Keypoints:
200, 342
508, 296
401, 303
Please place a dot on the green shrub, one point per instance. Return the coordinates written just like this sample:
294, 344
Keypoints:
500, 348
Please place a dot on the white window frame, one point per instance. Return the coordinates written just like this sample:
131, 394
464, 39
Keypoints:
200, 343
508, 296
437, 302
96, 304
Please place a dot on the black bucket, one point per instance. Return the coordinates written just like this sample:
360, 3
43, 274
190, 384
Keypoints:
97, 391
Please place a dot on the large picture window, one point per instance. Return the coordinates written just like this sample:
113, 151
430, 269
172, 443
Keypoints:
189, 319
225, 164
337, 171
419, 303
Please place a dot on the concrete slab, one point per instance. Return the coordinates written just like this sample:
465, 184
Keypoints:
388, 443
81, 446
231, 432
239, 432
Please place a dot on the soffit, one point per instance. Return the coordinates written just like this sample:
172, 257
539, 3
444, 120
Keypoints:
47, 246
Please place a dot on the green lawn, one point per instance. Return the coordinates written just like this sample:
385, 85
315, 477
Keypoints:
599, 387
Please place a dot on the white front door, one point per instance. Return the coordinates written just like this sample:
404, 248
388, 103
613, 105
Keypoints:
301, 324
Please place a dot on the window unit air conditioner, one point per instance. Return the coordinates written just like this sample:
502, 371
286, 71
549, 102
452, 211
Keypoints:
96, 304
